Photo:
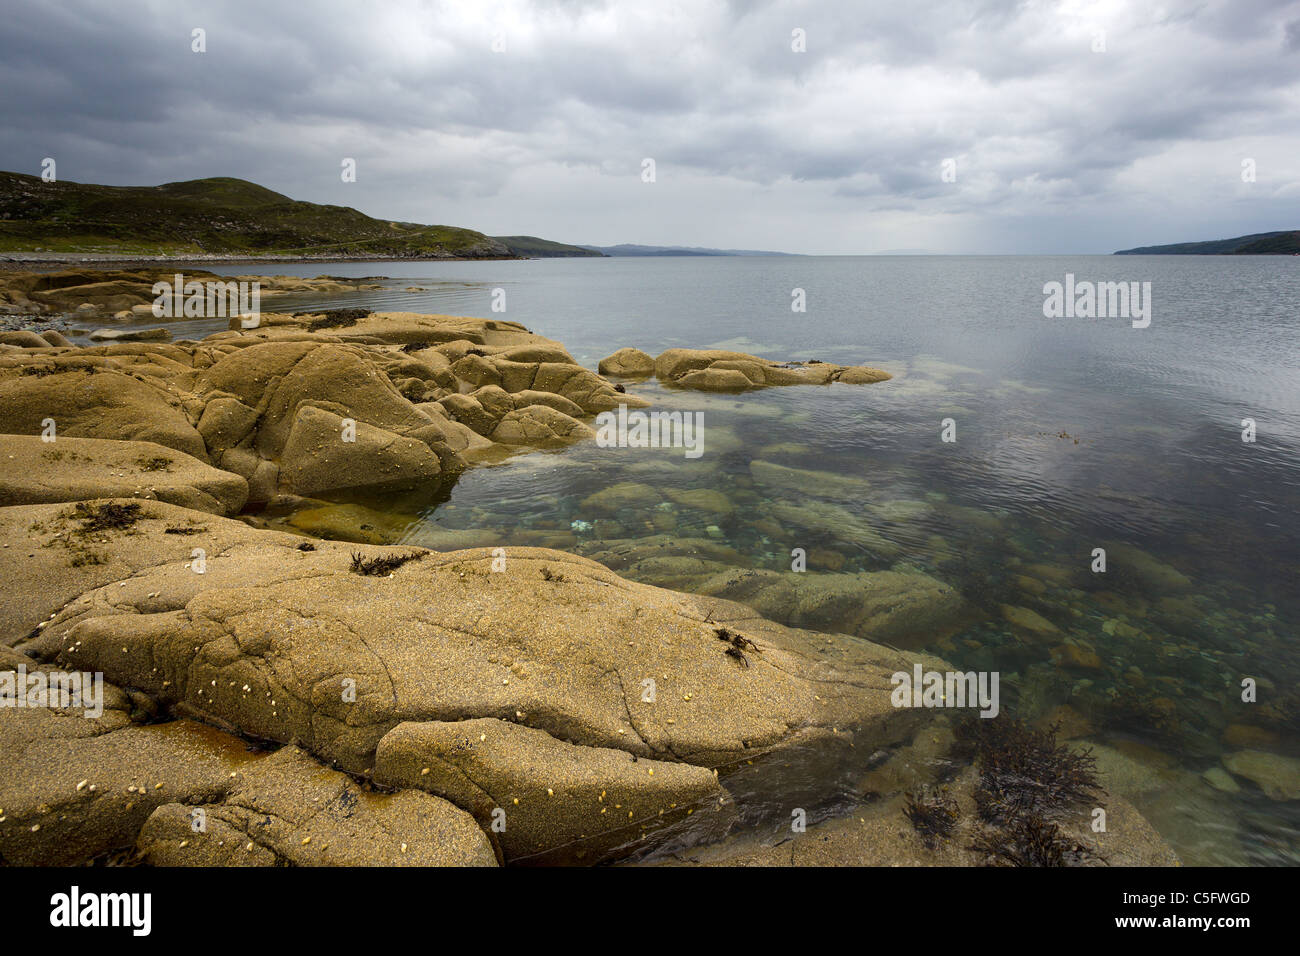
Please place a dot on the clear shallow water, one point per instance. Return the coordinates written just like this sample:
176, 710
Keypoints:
1071, 434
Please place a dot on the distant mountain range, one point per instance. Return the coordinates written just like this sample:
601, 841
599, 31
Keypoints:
1261, 244
224, 216
628, 249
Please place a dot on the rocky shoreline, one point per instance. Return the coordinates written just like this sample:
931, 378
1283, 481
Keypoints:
319, 702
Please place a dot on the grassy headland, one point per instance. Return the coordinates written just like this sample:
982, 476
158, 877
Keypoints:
222, 216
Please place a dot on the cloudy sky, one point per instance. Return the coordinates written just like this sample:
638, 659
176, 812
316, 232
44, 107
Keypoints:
1073, 127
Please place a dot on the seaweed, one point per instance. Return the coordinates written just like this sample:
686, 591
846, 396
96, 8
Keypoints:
184, 531
306, 546
109, 517
386, 564
1022, 769
556, 576
158, 463
933, 815
1026, 782
333, 318
738, 644
410, 347
1029, 840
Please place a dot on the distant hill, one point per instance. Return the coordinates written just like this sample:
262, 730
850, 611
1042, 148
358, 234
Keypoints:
544, 248
1261, 244
627, 249
218, 216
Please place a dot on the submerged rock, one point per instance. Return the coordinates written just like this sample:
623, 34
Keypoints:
1277, 775
901, 608
879, 834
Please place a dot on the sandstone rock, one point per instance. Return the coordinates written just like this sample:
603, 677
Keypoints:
130, 335
1027, 620
801, 482
721, 370
832, 520
290, 625
317, 459
624, 494
287, 810
715, 380
627, 363
23, 339
60, 552
1277, 775
539, 426
78, 469
73, 788
97, 404
1221, 780
709, 500
905, 609
1144, 570
879, 834
572, 800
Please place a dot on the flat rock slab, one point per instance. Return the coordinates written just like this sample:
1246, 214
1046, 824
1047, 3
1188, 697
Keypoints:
578, 802
52, 555
290, 645
73, 787
288, 810
77, 469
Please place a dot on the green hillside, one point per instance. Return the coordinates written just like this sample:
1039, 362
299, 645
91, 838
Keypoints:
544, 248
218, 216
1261, 244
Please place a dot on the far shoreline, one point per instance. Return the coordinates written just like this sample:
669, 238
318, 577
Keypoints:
51, 262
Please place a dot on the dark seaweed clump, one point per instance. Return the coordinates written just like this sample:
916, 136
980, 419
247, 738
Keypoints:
382, 565
737, 645
1027, 781
1029, 840
109, 517
410, 347
1026, 770
333, 318
933, 815
306, 546
184, 530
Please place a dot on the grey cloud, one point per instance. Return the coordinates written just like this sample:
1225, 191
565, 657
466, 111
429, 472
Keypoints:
447, 130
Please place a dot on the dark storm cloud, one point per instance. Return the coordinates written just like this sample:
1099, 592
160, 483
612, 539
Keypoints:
1047, 110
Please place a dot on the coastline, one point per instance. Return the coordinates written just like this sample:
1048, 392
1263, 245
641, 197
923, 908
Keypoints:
52, 262
167, 448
